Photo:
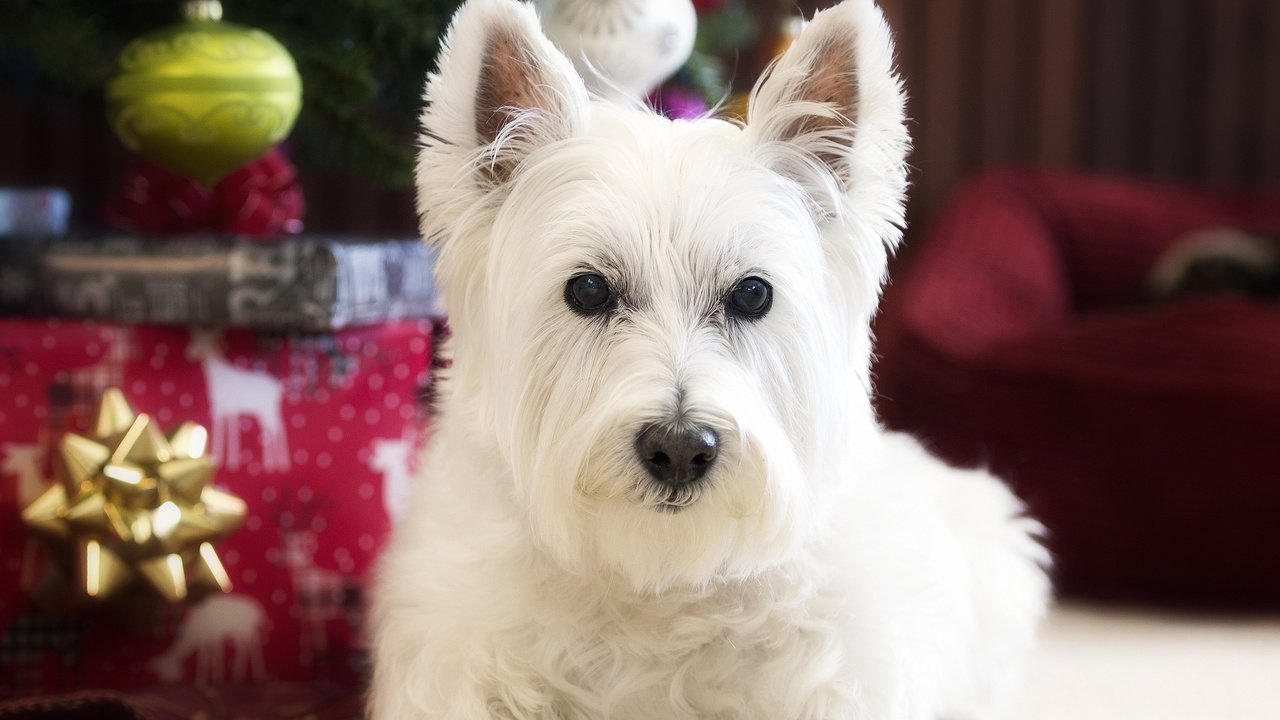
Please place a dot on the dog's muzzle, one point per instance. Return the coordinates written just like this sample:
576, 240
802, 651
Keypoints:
677, 455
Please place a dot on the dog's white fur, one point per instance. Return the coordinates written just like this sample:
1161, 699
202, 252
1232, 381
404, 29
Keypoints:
825, 568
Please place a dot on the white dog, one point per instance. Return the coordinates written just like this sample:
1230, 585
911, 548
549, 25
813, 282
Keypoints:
656, 488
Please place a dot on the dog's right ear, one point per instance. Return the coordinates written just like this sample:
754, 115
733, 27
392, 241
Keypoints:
501, 91
829, 114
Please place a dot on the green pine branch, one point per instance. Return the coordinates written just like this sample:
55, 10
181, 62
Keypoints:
362, 62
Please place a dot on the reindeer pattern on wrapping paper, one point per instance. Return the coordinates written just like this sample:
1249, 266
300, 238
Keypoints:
33, 636
25, 461
320, 595
235, 393
27, 643
393, 458
206, 631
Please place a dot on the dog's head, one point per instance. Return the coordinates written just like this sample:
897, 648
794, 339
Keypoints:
662, 327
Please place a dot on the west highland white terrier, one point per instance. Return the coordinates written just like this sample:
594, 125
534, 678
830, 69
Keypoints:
656, 488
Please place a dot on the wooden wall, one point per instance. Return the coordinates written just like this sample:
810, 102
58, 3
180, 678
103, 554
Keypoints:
1178, 90
1185, 90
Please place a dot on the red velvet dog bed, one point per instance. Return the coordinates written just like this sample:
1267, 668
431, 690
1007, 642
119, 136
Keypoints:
1146, 437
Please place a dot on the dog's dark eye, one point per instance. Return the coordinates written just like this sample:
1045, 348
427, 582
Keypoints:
750, 298
588, 293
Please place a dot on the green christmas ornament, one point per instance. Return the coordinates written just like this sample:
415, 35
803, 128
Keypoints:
204, 97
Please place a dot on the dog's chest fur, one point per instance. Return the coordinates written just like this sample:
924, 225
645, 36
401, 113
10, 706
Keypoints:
683, 654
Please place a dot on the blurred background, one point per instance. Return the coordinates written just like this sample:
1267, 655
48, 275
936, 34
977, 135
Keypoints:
1087, 303
1171, 89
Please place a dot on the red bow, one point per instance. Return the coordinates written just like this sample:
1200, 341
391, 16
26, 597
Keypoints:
261, 198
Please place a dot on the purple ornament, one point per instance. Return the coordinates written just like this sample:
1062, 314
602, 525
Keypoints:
678, 103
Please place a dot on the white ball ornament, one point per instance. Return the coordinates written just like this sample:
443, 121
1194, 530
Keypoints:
623, 49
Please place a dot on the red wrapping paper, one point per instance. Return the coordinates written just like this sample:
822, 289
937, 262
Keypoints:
317, 433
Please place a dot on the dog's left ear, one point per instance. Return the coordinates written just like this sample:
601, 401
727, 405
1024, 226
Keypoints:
829, 114
501, 91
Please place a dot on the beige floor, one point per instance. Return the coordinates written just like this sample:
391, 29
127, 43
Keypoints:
1096, 664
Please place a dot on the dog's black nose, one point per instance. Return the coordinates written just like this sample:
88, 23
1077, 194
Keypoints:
676, 454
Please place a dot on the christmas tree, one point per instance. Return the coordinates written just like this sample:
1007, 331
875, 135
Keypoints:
362, 62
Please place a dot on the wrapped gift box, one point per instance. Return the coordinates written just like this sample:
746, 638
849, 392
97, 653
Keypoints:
19, 274
296, 283
34, 211
317, 433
